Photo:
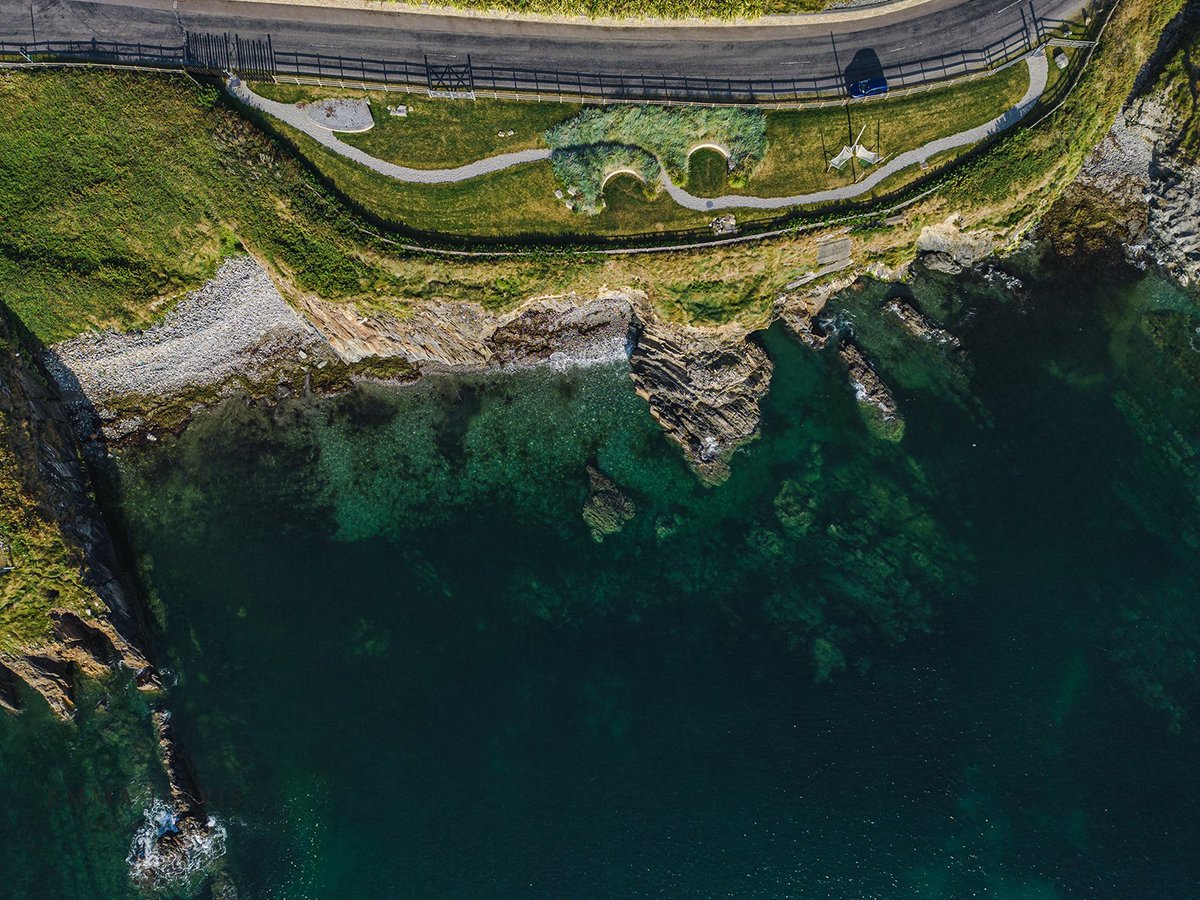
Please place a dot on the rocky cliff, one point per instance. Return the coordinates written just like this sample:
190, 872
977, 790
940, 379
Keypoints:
66, 611
64, 607
703, 386
1139, 192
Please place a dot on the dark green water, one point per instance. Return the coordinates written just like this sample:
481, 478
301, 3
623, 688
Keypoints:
961, 666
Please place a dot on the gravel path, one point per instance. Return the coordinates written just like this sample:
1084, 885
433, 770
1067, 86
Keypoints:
299, 120
237, 324
1038, 74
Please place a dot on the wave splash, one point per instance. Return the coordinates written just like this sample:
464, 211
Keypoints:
168, 851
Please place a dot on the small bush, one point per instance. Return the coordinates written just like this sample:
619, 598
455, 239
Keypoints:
584, 169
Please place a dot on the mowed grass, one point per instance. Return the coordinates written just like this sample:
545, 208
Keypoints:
708, 173
438, 134
799, 142
520, 202
516, 203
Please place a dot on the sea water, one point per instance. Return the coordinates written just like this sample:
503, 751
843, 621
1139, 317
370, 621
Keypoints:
961, 665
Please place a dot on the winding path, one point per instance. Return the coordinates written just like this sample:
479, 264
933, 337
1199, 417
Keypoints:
298, 119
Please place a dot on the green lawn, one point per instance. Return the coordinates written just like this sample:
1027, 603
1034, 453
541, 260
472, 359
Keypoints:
438, 134
708, 173
796, 160
521, 201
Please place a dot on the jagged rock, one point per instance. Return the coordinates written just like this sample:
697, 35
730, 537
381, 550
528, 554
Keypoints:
8, 691
874, 399
606, 509
798, 310
704, 389
917, 325
179, 839
945, 247
463, 337
92, 648
55, 492
1138, 194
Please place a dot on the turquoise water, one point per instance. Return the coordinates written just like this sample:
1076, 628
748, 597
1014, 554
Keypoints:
960, 666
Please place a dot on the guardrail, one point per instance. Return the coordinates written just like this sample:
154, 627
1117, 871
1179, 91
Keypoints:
258, 57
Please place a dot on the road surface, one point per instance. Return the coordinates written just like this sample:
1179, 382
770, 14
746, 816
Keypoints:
796, 49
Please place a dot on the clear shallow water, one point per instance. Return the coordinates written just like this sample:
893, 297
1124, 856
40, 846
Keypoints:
964, 666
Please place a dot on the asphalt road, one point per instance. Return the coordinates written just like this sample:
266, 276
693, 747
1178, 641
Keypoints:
782, 51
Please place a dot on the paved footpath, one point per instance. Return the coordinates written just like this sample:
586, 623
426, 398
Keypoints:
298, 119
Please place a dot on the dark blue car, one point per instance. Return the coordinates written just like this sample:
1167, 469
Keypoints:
869, 87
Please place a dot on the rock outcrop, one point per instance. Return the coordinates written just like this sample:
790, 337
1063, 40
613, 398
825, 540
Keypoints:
69, 608
945, 247
917, 325
703, 387
65, 609
1139, 191
606, 509
874, 399
464, 337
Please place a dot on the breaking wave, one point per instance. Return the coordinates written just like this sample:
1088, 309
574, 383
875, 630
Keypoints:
163, 853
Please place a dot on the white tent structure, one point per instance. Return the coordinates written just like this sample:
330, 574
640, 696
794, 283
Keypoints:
867, 157
839, 161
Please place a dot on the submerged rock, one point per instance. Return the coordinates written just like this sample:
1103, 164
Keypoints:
704, 388
606, 509
874, 399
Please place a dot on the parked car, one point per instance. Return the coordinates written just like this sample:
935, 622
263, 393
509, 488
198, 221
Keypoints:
869, 87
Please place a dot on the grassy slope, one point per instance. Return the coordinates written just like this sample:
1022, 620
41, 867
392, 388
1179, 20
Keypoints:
125, 229
47, 571
1014, 184
521, 201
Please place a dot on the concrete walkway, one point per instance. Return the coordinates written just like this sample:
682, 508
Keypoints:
298, 119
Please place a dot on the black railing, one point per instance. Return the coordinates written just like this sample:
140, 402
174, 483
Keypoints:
259, 58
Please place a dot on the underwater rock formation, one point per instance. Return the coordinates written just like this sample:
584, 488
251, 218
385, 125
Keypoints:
606, 509
704, 388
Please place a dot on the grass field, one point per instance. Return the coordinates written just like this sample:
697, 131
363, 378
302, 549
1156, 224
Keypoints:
120, 191
521, 201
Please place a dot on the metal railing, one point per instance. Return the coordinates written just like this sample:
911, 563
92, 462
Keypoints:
258, 57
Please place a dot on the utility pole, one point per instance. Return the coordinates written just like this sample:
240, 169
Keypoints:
32, 24
850, 138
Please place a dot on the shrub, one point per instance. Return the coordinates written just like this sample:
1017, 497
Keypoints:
643, 138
